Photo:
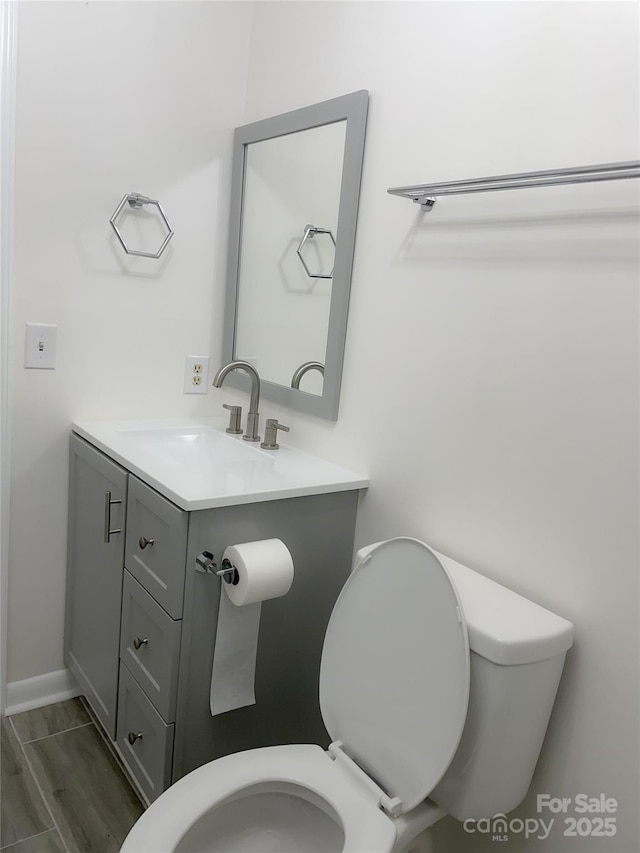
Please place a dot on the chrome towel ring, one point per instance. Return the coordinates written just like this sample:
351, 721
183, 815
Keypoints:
135, 200
309, 233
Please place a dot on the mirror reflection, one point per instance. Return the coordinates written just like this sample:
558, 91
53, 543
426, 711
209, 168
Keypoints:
291, 198
294, 207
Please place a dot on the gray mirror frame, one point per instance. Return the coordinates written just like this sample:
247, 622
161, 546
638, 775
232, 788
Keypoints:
352, 108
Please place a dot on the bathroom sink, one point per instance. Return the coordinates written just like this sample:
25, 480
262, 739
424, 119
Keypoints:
189, 445
197, 465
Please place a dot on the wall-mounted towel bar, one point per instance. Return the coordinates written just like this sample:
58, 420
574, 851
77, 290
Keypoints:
135, 201
427, 194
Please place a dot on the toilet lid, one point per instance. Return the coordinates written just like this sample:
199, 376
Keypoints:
394, 675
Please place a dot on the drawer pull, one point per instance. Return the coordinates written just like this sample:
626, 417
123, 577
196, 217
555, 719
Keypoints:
138, 642
108, 503
143, 542
132, 737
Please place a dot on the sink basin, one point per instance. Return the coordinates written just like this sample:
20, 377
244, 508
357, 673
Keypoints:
197, 465
198, 445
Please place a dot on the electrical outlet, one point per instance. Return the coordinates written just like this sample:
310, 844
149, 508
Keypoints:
196, 374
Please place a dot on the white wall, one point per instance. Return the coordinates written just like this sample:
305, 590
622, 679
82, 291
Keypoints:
491, 372
111, 97
8, 41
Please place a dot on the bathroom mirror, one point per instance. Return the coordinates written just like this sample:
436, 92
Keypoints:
294, 205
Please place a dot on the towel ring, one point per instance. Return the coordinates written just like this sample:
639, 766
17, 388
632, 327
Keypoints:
135, 201
309, 233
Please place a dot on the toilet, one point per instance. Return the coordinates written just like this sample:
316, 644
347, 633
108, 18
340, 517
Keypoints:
436, 687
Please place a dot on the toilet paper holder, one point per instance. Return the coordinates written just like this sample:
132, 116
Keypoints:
205, 562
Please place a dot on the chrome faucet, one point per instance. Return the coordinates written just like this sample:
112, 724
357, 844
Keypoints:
253, 417
300, 371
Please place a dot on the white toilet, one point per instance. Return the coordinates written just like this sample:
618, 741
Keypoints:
436, 686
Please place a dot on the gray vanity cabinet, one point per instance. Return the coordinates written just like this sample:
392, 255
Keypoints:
318, 530
97, 512
142, 617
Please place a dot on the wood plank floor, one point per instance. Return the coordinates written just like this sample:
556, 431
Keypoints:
62, 789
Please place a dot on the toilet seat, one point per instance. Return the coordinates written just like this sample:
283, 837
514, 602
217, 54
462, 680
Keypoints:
395, 669
301, 770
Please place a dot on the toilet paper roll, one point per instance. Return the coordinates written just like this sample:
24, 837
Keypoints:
265, 570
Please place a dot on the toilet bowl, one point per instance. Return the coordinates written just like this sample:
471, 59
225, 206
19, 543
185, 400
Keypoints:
411, 743
279, 798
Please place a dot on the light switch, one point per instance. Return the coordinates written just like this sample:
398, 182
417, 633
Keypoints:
40, 345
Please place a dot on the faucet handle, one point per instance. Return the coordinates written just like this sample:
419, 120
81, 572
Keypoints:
234, 418
271, 434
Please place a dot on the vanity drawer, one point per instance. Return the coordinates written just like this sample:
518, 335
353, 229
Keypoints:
150, 646
156, 544
145, 741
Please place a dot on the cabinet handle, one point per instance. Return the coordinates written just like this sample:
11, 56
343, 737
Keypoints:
143, 542
132, 737
138, 642
108, 503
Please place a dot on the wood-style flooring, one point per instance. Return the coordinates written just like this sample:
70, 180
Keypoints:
61, 788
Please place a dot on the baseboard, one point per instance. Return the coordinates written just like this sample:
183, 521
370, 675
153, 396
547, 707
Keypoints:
39, 691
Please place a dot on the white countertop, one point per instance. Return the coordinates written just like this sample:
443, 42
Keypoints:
197, 465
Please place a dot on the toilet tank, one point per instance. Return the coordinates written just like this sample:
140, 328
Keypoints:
517, 654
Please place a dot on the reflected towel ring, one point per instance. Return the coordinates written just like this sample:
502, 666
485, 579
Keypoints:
309, 233
135, 201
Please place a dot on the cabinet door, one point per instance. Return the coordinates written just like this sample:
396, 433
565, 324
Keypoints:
97, 509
